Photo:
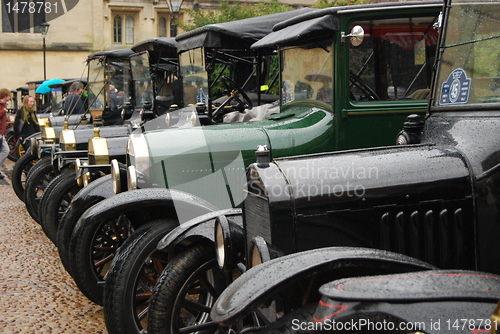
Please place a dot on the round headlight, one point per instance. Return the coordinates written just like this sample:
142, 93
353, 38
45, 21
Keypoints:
86, 176
34, 146
259, 252
115, 176
131, 178
78, 167
220, 250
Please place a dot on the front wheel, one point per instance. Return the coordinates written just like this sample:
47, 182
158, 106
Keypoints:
92, 248
186, 291
55, 202
20, 173
38, 179
132, 276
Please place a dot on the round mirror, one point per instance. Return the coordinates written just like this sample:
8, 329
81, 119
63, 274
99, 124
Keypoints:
357, 35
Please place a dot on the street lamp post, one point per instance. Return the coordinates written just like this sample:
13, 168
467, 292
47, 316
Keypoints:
175, 7
44, 28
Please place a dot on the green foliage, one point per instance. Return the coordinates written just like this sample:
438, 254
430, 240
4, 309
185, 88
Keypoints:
227, 12
337, 3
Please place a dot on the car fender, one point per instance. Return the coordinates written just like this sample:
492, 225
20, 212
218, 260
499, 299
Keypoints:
263, 281
199, 227
160, 202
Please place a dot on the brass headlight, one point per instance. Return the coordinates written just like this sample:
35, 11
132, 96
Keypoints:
98, 149
115, 176
78, 167
131, 178
86, 177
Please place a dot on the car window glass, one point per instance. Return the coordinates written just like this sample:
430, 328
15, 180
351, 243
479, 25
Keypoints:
395, 59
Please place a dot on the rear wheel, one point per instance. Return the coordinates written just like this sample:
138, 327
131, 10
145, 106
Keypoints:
20, 173
15, 147
186, 291
38, 179
132, 277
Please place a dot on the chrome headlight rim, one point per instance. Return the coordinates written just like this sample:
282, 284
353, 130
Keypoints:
131, 178
258, 252
115, 176
34, 146
78, 167
222, 239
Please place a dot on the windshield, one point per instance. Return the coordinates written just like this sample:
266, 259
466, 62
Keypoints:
469, 69
307, 74
194, 76
141, 76
107, 78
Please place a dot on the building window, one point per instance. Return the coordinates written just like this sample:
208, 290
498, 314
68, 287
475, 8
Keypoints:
162, 26
123, 28
16, 17
117, 29
129, 30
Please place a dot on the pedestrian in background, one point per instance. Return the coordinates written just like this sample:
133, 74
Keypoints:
26, 122
74, 101
4, 147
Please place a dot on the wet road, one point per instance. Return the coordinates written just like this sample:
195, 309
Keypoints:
37, 295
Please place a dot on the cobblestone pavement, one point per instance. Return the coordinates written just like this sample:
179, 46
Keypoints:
37, 295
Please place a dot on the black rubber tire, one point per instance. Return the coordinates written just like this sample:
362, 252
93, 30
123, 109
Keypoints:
181, 276
20, 173
132, 276
38, 179
55, 202
70, 219
16, 149
92, 248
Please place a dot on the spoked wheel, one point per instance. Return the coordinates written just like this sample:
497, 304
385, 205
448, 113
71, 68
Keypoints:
185, 293
15, 147
55, 202
92, 248
80, 203
20, 173
38, 179
132, 277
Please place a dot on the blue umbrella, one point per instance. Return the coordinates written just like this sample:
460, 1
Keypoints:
44, 87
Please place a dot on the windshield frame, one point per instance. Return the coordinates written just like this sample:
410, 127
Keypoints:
449, 77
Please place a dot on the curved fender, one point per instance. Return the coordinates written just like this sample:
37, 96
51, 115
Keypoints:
200, 226
260, 282
185, 205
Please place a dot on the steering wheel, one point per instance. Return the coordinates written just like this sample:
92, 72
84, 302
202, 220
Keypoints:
234, 92
368, 92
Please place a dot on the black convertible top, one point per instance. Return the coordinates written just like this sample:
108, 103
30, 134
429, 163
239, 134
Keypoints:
321, 22
235, 34
118, 54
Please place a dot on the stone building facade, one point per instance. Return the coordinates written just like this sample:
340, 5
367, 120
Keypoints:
78, 28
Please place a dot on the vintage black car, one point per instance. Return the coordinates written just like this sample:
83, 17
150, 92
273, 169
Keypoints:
435, 201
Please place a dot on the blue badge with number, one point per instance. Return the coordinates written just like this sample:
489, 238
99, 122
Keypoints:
455, 90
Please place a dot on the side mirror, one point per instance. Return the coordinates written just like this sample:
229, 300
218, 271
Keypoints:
355, 37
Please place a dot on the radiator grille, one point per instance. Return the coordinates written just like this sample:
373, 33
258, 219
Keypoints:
434, 236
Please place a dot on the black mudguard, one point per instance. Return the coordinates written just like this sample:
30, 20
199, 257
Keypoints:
161, 203
199, 227
262, 282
